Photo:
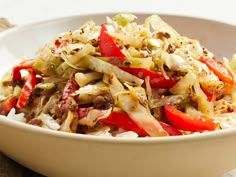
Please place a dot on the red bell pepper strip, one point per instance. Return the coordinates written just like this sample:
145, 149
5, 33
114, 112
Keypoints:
218, 69
157, 80
182, 121
172, 131
211, 96
27, 90
122, 120
70, 87
7, 105
108, 46
26, 64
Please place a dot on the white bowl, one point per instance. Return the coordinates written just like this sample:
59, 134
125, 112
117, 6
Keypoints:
59, 154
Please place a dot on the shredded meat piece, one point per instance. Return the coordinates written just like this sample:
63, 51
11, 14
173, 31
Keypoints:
103, 101
170, 49
30, 115
69, 106
35, 121
164, 34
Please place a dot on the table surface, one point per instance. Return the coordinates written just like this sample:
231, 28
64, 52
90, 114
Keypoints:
28, 11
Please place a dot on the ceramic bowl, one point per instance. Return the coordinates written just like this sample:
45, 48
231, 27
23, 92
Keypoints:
59, 154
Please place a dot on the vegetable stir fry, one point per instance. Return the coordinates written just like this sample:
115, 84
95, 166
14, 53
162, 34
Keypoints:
123, 79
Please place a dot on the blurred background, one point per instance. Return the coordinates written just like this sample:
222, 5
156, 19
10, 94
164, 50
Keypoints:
28, 11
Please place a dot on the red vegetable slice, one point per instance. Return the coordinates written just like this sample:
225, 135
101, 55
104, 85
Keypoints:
218, 69
27, 90
26, 64
70, 87
157, 80
7, 105
122, 120
182, 121
108, 46
172, 131
211, 96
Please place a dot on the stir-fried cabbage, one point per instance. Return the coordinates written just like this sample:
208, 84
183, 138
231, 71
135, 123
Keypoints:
122, 79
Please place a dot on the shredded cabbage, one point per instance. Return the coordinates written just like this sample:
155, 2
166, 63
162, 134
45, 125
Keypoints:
78, 84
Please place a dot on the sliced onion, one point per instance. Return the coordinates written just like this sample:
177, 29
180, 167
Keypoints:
184, 85
49, 121
172, 99
66, 124
83, 79
104, 67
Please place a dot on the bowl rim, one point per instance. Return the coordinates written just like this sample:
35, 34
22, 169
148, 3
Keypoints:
170, 139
